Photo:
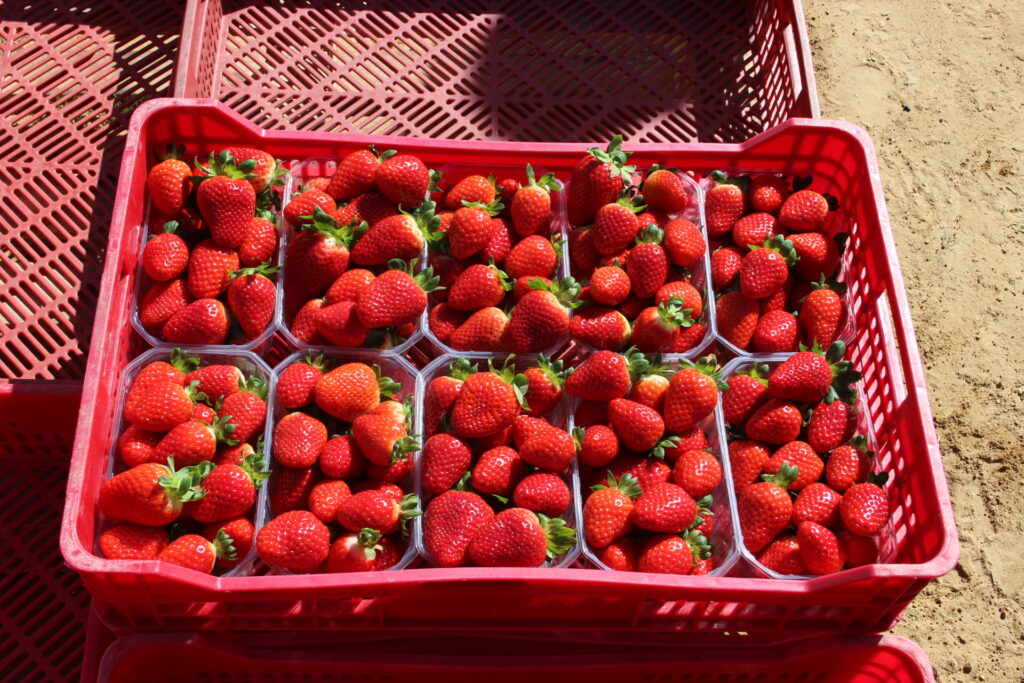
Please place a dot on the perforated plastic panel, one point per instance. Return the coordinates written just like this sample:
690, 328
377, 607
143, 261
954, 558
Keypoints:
70, 75
559, 71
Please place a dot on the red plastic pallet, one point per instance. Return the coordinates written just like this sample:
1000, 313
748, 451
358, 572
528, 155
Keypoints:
868, 598
226, 659
654, 72
69, 78
43, 605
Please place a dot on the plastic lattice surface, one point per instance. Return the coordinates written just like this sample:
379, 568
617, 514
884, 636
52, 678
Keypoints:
651, 71
70, 75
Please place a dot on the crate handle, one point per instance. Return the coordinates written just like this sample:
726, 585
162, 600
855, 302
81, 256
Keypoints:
895, 367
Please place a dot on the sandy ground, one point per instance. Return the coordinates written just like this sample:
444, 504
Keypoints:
952, 169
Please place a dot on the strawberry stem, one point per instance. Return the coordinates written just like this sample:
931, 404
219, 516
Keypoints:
560, 537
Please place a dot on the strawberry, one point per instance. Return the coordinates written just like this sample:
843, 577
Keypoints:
234, 455
583, 255
783, 556
607, 511
767, 192
482, 331
395, 472
361, 552
498, 471
150, 494
534, 255
598, 179
396, 296
819, 255
638, 427
775, 422
290, 489
298, 439
202, 322
165, 256
160, 301
810, 376
302, 209
601, 377
859, 550
471, 189
525, 428
445, 459
664, 191
356, 173
746, 461
691, 440
227, 201
689, 338
848, 465
470, 230
245, 411
610, 285
748, 390
304, 326
864, 509
520, 538
377, 510
540, 319
650, 384
341, 458
765, 510
440, 395
531, 206
765, 268
348, 285
191, 442
216, 380
754, 230
262, 169
193, 551
450, 523
543, 493
352, 389
697, 472
326, 497
160, 405
664, 508
169, 181
692, 394
296, 541
370, 208
668, 554
396, 237
723, 205
132, 542
821, 315
689, 295
817, 503
800, 455
552, 450
647, 264
684, 243
599, 327
737, 318
819, 549
209, 269
829, 425
488, 402
804, 211
478, 286
251, 297
522, 286
404, 179
615, 227
597, 444
545, 386
778, 300
776, 332
381, 439
620, 555
507, 190
657, 328
230, 490
499, 246
443, 320
725, 266
136, 446
339, 324
317, 255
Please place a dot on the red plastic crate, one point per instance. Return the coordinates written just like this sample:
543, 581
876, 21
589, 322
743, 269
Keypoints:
654, 72
43, 605
224, 658
70, 75
868, 598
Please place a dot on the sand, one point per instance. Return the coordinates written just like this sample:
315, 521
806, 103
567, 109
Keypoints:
952, 168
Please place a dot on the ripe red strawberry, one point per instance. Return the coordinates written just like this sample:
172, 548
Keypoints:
316, 256
304, 326
132, 542
445, 459
665, 191
377, 510
209, 269
216, 380
400, 236
381, 439
440, 395
647, 264
746, 461
191, 442
638, 427
725, 266
859, 550
226, 198
341, 458
664, 508
776, 332
522, 286
150, 494
482, 331
601, 328
298, 439
165, 255
370, 208
348, 285
498, 471
755, 229
819, 255
689, 295
819, 549
606, 513
783, 556
650, 385
531, 206
252, 296
540, 319
262, 168
810, 376
848, 465
597, 444
326, 498
684, 243
804, 211
245, 411
443, 320
748, 390
583, 256
552, 450
479, 286
601, 377
352, 389
160, 405
229, 490
767, 192
472, 189
136, 446
697, 472
666, 554
404, 179
487, 403
778, 300
500, 244
160, 301
829, 425
765, 510
520, 538
196, 552
356, 173
340, 325
821, 315
507, 190
544, 493
800, 455
396, 296
598, 179
864, 509
689, 337
296, 541
775, 422
657, 328
765, 269
362, 552
692, 394
470, 231
817, 503
234, 455
304, 206
532, 256
737, 318
615, 227
169, 181
450, 523
620, 555
610, 285
290, 489
723, 205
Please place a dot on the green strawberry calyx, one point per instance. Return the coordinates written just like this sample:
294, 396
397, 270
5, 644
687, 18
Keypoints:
860, 442
388, 387
223, 164
546, 181
844, 375
565, 291
322, 222
315, 362
722, 178
224, 546
493, 208
758, 371
553, 370
222, 429
254, 385
519, 382
786, 475
652, 234
382, 156
184, 485
182, 362
426, 220
671, 311
659, 450
369, 540
561, 538
460, 369
264, 269
426, 279
708, 365
171, 151
463, 483
824, 283
255, 465
408, 507
700, 549
169, 226
577, 437
626, 484
616, 158
781, 246
403, 447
